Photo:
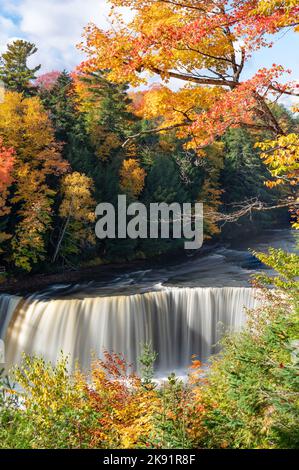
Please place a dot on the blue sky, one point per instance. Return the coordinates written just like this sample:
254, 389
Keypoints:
55, 26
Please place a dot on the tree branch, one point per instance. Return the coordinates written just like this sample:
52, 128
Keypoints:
191, 78
154, 131
247, 207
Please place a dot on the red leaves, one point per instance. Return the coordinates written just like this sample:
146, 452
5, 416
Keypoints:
47, 80
206, 43
7, 158
242, 105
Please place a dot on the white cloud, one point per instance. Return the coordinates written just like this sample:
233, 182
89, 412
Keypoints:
8, 31
290, 101
55, 26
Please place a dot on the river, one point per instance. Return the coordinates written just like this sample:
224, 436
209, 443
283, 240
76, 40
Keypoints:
181, 307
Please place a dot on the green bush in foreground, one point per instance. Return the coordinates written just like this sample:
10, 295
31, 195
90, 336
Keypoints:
252, 394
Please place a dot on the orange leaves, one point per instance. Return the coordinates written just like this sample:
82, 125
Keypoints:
161, 37
275, 14
7, 159
195, 364
111, 408
205, 43
132, 177
109, 51
132, 415
124, 407
25, 126
177, 107
244, 106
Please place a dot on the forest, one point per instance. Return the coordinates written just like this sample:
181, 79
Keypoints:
72, 139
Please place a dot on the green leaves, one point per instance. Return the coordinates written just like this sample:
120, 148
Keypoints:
252, 394
14, 71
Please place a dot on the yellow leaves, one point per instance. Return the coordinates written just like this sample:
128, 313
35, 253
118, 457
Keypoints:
78, 200
161, 37
109, 51
25, 125
35, 211
104, 141
192, 44
77, 207
154, 16
53, 399
125, 408
269, 6
132, 177
178, 108
282, 158
48, 382
283, 12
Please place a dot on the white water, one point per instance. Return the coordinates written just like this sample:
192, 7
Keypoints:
179, 322
8, 304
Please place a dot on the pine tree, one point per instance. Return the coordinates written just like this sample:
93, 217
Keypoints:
244, 173
108, 116
14, 71
69, 123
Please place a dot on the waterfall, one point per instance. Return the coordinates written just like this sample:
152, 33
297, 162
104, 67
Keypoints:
178, 322
8, 305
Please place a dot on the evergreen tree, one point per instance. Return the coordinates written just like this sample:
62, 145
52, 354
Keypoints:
14, 70
69, 124
163, 184
243, 178
109, 105
244, 173
108, 117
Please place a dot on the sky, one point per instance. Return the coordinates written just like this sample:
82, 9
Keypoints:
56, 26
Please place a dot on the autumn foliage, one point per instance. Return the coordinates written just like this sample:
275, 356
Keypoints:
82, 138
7, 160
26, 128
132, 177
205, 45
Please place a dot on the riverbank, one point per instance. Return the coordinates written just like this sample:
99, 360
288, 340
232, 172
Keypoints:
215, 264
31, 283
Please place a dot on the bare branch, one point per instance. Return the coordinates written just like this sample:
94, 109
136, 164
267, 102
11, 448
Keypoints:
192, 78
247, 207
156, 130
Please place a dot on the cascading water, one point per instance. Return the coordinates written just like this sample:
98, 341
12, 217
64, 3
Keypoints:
8, 305
178, 322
